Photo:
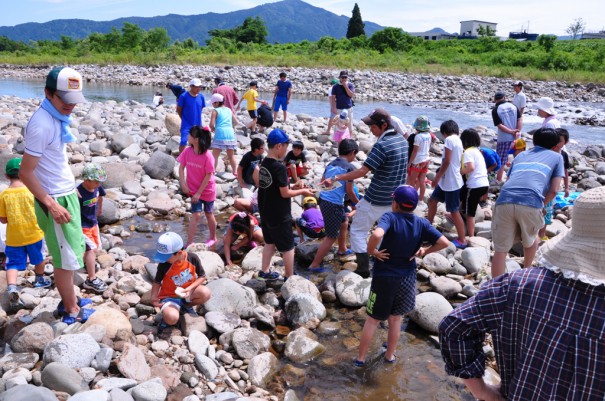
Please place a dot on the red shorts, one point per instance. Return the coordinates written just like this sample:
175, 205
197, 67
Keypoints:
299, 170
92, 237
420, 167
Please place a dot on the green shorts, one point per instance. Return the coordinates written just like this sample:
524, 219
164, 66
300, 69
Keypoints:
65, 242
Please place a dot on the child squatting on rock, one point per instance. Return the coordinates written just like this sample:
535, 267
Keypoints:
393, 289
243, 231
178, 284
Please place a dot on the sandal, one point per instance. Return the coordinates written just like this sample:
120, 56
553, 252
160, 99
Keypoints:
358, 364
391, 360
82, 317
459, 245
319, 269
345, 253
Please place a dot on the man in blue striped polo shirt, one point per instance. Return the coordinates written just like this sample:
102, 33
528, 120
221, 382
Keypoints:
387, 161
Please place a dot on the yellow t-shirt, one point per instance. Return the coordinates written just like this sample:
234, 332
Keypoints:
17, 205
249, 97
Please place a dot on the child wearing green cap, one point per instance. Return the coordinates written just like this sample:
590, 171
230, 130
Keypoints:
90, 196
24, 239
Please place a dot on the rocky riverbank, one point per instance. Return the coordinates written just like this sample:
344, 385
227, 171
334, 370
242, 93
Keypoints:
442, 91
250, 331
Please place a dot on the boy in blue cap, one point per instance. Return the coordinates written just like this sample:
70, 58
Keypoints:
275, 206
400, 234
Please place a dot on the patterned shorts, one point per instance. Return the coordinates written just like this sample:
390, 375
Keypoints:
502, 149
420, 167
391, 296
333, 215
224, 144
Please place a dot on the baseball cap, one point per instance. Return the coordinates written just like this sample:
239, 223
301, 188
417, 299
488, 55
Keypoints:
195, 82
347, 146
406, 195
344, 114
309, 200
499, 95
377, 117
168, 244
13, 166
518, 83
334, 81
277, 136
94, 172
68, 84
216, 97
343, 74
518, 145
422, 124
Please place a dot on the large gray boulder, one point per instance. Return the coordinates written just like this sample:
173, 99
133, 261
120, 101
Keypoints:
120, 141
261, 369
249, 342
222, 322
352, 289
28, 392
430, 310
32, 338
229, 296
119, 172
445, 286
59, 377
110, 212
302, 345
159, 165
474, 258
304, 308
72, 350
299, 285
436, 263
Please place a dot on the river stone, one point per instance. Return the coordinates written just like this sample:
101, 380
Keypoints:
132, 188
555, 228
119, 173
190, 323
59, 377
213, 263
159, 165
299, 285
599, 168
161, 202
306, 252
436, 263
253, 260
152, 390
102, 359
14, 382
9, 374
264, 314
26, 360
445, 286
173, 124
475, 258
479, 242
135, 263
226, 396
229, 296
120, 141
249, 342
430, 310
303, 308
198, 342
111, 319
352, 289
261, 369
133, 282
132, 363
206, 366
302, 345
117, 394
110, 213
72, 350
222, 321
32, 338
116, 382
92, 395
28, 392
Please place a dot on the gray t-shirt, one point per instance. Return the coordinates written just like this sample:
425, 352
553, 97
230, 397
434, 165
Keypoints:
505, 113
520, 100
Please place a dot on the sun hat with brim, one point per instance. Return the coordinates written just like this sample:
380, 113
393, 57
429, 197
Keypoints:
13, 166
68, 84
216, 98
547, 105
168, 244
422, 124
94, 172
580, 252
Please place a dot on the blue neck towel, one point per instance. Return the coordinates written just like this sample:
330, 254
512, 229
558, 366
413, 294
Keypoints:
66, 135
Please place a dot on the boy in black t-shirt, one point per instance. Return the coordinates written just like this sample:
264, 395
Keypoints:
296, 162
274, 205
250, 161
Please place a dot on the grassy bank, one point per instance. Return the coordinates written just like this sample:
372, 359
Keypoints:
571, 61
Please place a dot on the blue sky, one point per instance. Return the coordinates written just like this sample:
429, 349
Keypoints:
543, 16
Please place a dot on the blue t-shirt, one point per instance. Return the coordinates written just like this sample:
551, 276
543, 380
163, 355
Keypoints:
283, 87
529, 177
89, 205
343, 101
336, 195
388, 160
223, 125
191, 111
404, 233
491, 157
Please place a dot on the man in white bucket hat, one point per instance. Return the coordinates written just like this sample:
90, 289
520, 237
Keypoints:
547, 323
546, 110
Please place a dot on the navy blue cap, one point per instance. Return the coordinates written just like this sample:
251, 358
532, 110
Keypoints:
406, 195
277, 136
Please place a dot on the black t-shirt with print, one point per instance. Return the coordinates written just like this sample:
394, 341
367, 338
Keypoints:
272, 207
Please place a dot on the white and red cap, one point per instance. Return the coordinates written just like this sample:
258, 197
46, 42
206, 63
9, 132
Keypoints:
68, 84
168, 244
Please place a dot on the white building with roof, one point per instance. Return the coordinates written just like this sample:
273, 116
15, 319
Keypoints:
469, 28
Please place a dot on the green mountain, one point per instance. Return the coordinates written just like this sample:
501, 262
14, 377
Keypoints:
286, 21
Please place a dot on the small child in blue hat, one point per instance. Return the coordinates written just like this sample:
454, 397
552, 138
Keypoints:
400, 234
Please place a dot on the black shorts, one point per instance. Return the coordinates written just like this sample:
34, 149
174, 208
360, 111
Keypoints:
280, 235
470, 199
333, 216
252, 114
392, 296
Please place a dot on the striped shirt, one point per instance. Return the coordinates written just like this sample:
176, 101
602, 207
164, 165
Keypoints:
548, 334
388, 160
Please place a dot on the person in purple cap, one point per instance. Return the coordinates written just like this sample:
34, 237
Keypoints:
395, 243
275, 205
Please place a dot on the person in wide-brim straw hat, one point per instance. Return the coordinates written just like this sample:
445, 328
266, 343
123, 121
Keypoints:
547, 323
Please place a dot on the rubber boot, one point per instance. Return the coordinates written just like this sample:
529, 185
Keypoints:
363, 264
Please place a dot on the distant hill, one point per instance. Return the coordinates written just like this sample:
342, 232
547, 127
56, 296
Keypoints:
287, 21
438, 30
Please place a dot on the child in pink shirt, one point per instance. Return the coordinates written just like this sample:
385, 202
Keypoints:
199, 182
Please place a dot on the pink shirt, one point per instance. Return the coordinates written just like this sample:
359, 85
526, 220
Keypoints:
196, 167
230, 98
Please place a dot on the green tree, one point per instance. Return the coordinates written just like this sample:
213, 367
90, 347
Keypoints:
252, 30
132, 36
485, 31
389, 38
576, 28
547, 41
7, 45
155, 39
356, 26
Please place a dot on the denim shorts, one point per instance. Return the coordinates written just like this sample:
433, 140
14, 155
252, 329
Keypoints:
196, 207
451, 198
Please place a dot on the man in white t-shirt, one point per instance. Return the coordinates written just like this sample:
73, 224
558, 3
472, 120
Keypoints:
46, 173
448, 181
519, 100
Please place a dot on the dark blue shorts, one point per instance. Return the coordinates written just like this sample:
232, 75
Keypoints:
451, 198
333, 215
16, 256
253, 114
197, 206
391, 296
281, 102
280, 235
